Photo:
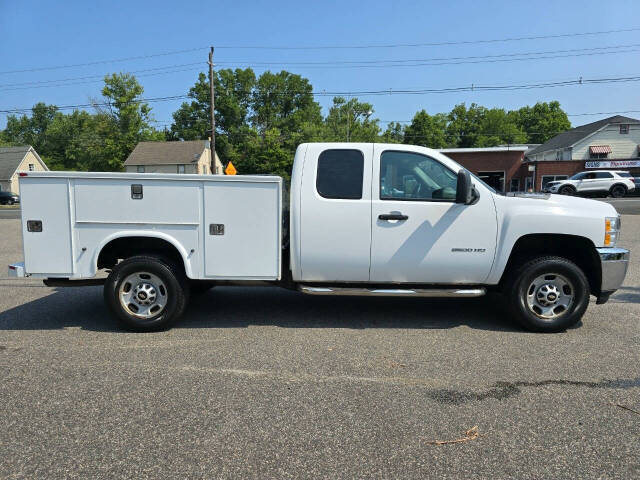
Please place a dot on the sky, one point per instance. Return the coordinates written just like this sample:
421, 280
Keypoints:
171, 40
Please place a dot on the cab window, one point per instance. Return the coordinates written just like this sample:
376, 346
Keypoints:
412, 176
340, 174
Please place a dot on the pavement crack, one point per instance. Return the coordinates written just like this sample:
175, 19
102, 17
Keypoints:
504, 390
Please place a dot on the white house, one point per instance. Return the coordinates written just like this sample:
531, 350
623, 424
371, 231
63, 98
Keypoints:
14, 160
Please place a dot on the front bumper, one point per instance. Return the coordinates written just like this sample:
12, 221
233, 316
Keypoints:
614, 263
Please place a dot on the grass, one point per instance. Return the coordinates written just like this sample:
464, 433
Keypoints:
10, 207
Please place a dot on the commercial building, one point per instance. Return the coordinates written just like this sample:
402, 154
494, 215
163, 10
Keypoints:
500, 167
610, 143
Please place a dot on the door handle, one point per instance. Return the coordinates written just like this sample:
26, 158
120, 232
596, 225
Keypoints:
393, 216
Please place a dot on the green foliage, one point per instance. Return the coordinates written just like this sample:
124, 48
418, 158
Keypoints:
427, 130
260, 121
543, 121
83, 141
350, 121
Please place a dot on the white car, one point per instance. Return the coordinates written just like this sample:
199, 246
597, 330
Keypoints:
616, 183
364, 219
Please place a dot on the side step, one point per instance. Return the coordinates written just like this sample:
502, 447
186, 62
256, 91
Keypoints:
396, 292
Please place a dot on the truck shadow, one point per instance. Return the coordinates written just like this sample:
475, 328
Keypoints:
239, 307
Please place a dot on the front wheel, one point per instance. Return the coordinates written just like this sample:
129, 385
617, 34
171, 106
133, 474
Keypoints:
548, 294
146, 293
567, 190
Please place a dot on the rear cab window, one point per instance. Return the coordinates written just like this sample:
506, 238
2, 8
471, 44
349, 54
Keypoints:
340, 174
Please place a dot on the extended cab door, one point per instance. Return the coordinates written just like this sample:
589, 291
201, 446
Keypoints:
335, 213
419, 233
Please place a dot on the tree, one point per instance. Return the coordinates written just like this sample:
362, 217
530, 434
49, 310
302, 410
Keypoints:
463, 127
394, 133
427, 130
124, 123
542, 121
350, 120
498, 127
233, 89
31, 130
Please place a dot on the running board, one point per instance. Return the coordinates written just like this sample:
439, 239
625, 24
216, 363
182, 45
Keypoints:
395, 292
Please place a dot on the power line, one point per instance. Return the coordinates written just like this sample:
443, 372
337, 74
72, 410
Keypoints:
422, 91
435, 63
100, 77
323, 47
431, 44
167, 69
567, 114
414, 60
102, 62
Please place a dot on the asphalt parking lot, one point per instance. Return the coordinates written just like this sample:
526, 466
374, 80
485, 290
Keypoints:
266, 383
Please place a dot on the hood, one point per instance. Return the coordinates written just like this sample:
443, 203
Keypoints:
564, 204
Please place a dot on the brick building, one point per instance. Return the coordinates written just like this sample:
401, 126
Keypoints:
501, 167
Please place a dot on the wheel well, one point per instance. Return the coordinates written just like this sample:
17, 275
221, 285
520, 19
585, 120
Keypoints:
125, 247
618, 184
579, 250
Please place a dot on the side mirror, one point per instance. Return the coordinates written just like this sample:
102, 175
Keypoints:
464, 189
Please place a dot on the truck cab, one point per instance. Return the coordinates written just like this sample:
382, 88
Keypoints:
377, 213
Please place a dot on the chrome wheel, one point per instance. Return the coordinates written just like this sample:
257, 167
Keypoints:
550, 296
143, 295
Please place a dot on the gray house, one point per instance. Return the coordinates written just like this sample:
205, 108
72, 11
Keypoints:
173, 157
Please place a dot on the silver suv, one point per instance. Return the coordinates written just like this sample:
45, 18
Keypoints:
616, 183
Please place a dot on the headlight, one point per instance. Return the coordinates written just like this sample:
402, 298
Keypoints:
611, 230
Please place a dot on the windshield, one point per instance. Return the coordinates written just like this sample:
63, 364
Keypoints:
493, 190
577, 176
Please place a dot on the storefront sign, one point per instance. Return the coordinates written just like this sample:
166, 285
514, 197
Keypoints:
613, 164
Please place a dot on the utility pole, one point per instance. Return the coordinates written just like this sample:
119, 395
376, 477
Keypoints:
213, 115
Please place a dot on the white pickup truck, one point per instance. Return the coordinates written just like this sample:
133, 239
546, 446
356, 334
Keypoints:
364, 219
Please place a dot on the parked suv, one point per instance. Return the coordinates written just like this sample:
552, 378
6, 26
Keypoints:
616, 183
9, 198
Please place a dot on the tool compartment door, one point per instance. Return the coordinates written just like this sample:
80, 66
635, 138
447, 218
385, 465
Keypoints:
242, 228
48, 251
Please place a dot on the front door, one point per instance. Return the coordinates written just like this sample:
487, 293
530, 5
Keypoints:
335, 206
419, 233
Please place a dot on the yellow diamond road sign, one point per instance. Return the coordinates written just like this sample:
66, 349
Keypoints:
230, 170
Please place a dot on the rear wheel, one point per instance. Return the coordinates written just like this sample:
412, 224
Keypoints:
548, 294
567, 190
146, 293
618, 191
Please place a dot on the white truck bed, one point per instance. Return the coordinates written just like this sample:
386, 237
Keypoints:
225, 227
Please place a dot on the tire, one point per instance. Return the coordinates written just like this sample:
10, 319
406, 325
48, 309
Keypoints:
10, 201
567, 190
547, 294
155, 287
618, 191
